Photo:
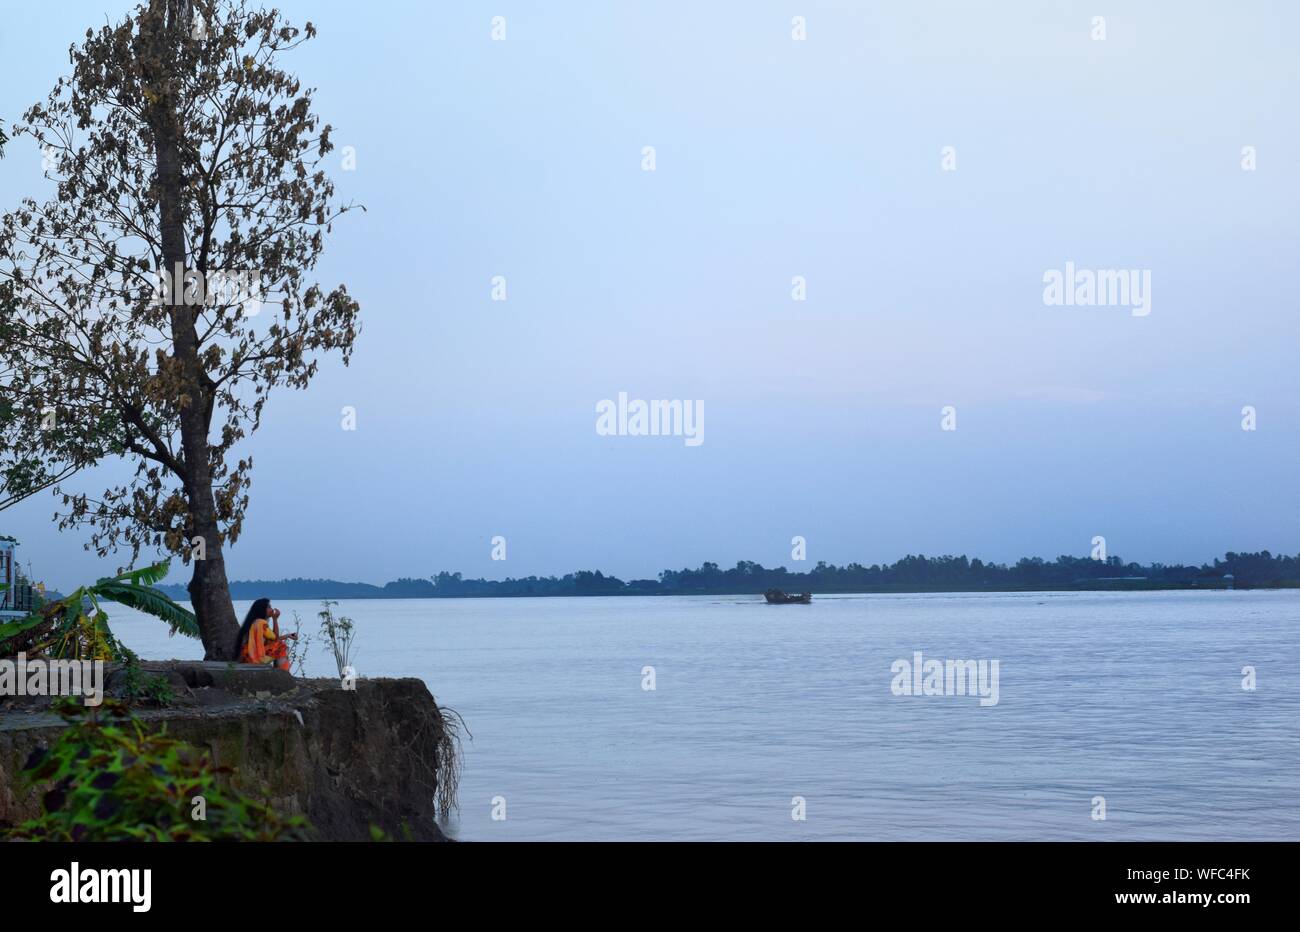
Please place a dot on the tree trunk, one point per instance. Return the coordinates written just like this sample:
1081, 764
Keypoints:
209, 588
210, 594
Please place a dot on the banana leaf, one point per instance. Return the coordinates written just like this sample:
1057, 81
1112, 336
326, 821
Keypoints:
133, 588
151, 602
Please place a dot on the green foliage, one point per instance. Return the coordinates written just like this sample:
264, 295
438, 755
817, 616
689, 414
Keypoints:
116, 781
135, 590
142, 687
378, 834
339, 631
75, 627
10, 628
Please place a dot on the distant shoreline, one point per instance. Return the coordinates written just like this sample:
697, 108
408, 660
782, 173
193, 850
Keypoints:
910, 575
179, 594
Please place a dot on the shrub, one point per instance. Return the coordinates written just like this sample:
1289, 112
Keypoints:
141, 687
117, 781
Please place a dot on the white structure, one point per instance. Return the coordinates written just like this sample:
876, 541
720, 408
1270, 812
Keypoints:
15, 598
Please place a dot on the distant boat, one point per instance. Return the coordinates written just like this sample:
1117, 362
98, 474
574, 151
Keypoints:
777, 597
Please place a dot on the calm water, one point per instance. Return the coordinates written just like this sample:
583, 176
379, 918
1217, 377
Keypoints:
1134, 697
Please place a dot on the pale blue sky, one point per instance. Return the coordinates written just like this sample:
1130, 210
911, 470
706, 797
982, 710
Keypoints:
776, 158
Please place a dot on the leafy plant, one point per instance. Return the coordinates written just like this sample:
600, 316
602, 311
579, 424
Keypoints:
298, 646
75, 627
145, 687
117, 781
339, 631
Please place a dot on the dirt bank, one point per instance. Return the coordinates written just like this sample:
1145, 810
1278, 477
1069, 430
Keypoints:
345, 759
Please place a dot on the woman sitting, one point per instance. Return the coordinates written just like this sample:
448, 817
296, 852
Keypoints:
260, 640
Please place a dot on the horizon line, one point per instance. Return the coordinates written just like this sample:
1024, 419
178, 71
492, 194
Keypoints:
1111, 560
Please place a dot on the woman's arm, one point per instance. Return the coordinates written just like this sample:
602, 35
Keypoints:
275, 621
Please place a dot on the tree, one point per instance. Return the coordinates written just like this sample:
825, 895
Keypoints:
23, 473
190, 185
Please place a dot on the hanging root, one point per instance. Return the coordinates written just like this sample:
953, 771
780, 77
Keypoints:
449, 728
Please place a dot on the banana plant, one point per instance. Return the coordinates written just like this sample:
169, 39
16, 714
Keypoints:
75, 627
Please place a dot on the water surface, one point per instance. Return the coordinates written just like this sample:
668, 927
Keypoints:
1136, 697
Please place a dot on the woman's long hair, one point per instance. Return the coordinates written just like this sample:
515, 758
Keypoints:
260, 609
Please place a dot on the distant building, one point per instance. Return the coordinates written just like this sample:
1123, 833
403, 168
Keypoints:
1229, 579
18, 598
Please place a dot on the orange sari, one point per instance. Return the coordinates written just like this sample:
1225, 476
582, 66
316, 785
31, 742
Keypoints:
264, 646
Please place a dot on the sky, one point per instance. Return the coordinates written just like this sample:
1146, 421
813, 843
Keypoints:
774, 157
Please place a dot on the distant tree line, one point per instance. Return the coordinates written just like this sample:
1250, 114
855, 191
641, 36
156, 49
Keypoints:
910, 574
